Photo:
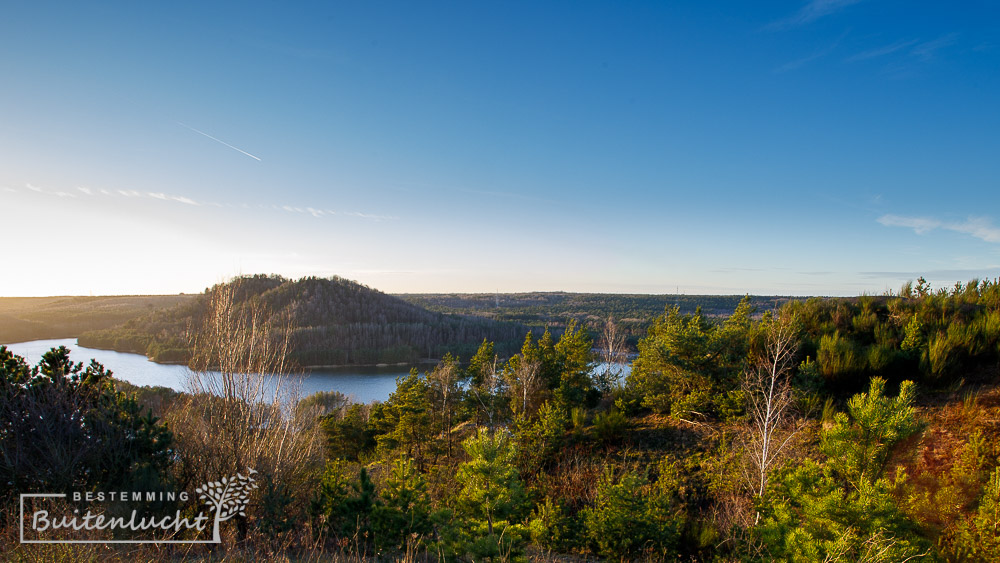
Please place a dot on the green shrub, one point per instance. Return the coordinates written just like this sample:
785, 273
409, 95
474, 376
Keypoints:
627, 522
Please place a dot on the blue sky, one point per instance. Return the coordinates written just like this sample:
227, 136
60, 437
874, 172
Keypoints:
830, 147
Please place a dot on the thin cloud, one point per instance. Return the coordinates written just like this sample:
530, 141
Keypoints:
798, 63
167, 197
811, 12
920, 225
978, 227
370, 216
9, 189
955, 274
881, 51
928, 50
219, 141
173, 198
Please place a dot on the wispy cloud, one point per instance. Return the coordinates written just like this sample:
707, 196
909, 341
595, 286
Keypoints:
168, 197
798, 63
954, 274
218, 141
8, 189
979, 227
881, 51
811, 12
929, 49
174, 198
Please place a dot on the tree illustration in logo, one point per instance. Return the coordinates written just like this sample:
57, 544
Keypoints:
227, 497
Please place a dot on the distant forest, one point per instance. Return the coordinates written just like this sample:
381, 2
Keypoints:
553, 310
42, 318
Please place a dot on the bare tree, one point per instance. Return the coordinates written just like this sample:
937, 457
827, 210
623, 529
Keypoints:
243, 389
523, 382
767, 387
489, 393
444, 382
614, 356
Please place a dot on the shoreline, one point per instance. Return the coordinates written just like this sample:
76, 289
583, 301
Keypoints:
421, 361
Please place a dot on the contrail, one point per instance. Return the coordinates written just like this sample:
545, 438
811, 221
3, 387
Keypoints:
218, 140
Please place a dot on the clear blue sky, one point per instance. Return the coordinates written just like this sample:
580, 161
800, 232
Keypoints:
828, 147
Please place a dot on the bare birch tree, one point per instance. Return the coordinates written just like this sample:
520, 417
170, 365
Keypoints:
243, 389
489, 393
444, 382
767, 387
523, 382
614, 356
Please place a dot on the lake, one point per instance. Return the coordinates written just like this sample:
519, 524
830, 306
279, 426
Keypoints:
362, 384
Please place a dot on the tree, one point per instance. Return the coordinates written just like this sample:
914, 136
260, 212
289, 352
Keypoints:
64, 427
687, 366
242, 384
767, 388
405, 508
843, 509
444, 383
614, 356
405, 419
523, 377
491, 487
486, 388
575, 356
631, 518
860, 442
347, 433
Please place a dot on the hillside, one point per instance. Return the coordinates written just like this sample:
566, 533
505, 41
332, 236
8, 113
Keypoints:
37, 318
333, 322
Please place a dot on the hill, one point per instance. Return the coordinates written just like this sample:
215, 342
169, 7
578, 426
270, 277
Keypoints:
38, 318
333, 322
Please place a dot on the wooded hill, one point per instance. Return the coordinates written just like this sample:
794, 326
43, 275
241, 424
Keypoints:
332, 321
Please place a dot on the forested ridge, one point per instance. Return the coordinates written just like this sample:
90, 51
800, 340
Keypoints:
333, 321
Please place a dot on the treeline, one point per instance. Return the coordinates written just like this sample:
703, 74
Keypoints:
40, 318
632, 312
330, 322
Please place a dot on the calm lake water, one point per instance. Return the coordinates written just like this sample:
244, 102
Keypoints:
362, 384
